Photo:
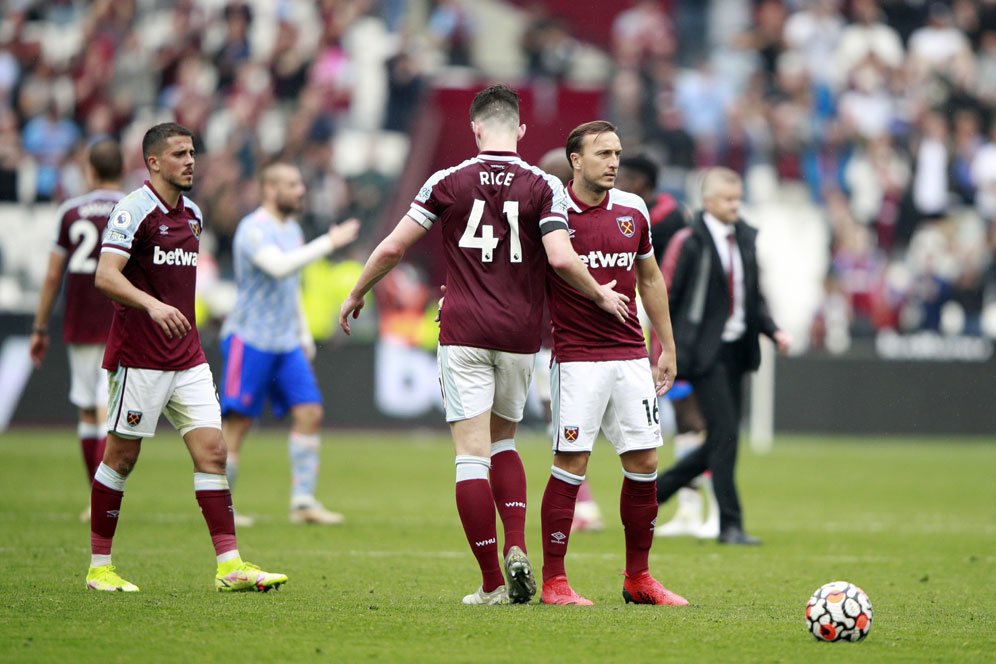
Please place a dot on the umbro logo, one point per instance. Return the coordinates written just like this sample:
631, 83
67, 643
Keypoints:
113, 514
164, 230
558, 537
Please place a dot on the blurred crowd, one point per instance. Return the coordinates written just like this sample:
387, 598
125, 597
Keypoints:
253, 80
882, 110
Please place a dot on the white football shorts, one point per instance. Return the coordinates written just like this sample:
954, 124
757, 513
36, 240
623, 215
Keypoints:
615, 396
475, 380
541, 376
187, 398
87, 379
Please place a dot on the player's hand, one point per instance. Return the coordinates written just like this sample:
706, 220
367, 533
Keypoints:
442, 298
344, 233
352, 305
613, 303
783, 341
38, 348
667, 369
309, 348
170, 320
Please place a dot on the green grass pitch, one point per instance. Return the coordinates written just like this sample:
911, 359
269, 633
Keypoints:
911, 521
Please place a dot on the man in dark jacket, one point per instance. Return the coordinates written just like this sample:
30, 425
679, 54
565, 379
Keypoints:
718, 311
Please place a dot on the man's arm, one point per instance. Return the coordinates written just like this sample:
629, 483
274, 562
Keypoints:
768, 327
653, 293
307, 340
112, 283
564, 260
46, 300
388, 253
277, 263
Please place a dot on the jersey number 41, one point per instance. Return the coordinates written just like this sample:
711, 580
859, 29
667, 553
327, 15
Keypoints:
487, 241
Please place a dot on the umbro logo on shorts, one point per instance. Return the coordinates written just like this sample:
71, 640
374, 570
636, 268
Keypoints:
134, 418
571, 433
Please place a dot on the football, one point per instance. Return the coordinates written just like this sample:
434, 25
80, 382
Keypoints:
839, 611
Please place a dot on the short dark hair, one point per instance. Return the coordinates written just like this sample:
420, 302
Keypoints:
497, 101
105, 158
642, 164
156, 137
576, 137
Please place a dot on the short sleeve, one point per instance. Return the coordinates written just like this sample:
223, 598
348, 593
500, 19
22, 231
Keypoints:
426, 207
553, 211
61, 242
122, 227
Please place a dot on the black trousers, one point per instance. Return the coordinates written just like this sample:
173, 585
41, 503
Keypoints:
720, 393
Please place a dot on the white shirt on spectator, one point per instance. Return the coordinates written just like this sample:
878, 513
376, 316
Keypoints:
930, 184
859, 41
984, 179
935, 46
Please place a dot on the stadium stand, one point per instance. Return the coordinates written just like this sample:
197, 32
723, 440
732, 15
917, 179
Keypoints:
862, 128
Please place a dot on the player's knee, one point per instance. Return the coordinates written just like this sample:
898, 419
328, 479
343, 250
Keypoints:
642, 461
308, 417
122, 462
575, 463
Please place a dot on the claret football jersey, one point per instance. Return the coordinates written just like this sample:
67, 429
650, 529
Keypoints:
161, 245
493, 210
609, 238
87, 312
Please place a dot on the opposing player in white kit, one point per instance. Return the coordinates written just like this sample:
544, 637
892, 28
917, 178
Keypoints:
148, 266
503, 221
601, 377
87, 312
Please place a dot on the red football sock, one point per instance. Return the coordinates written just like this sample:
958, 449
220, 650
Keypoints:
556, 515
216, 506
477, 513
508, 486
638, 509
105, 506
93, 453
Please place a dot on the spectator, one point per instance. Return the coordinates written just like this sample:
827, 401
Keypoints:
451, 31
930, 181
868, 37
10, 155
642, 32
50, 139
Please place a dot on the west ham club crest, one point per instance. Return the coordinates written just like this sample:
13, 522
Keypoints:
195, 227
134, 418
571, 433
626, 226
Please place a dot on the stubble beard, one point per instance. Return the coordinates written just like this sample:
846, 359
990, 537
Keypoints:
288, 208
181, 185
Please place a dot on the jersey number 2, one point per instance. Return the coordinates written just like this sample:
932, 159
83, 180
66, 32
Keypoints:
84, 234
487, 241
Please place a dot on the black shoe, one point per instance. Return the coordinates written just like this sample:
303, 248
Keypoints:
735, 535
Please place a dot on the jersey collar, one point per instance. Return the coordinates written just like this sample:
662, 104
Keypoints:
163, 205
497, 155
578, 206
